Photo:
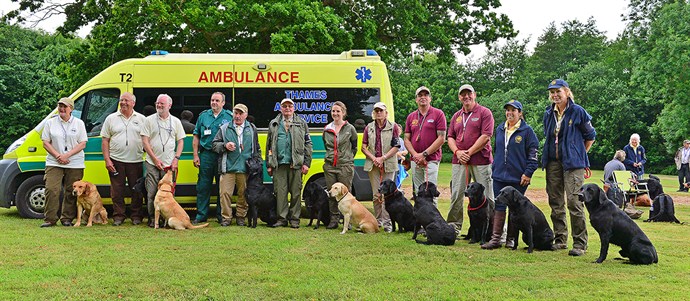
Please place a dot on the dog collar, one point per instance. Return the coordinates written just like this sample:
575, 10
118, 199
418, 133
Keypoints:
165, 190
390, 194
478, 207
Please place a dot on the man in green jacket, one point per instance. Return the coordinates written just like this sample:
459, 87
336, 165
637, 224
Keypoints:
235, 142
207, 126
288, 157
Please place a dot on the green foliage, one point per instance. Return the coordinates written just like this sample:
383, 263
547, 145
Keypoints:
29, 80
662, 73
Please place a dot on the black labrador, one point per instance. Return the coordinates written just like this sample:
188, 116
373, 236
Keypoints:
663, 210
528, 219
260, 199
398, 207
316, 201
480, 214
616, 227
438, 232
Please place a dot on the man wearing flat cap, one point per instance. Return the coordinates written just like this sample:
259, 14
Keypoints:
236, 142
469, 138
288, 157
207, 126
425, 133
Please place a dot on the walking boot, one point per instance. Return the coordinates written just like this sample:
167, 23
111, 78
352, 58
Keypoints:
495, 242
335, 218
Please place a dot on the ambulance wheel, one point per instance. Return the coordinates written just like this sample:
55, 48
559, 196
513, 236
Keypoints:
31, 197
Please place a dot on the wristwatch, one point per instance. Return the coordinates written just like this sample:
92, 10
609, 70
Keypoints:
177, 157
424, 153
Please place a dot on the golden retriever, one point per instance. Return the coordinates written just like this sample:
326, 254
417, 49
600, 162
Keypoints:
89, 199
352, 209
165, 204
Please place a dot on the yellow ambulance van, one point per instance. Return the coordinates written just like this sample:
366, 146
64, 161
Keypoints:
357, 77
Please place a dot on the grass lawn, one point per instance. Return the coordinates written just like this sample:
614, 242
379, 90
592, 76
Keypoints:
216, 263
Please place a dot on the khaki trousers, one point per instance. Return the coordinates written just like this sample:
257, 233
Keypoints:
340, 174
375, 180
59, 179
460, 172
421, 174
562, 185
228, 182
287, 180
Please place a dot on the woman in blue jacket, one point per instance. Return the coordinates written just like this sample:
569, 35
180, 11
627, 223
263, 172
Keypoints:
568, 136
515, 161
635, 156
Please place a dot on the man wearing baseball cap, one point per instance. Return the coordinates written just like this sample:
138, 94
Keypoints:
207, 126
469, 138
236, 142
425, 132
288, 158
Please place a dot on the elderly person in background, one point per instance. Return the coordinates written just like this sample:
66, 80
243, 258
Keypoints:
380, 145
615, 164
163, 139
635, 156
64, 138
682, 159
123, 153
569, 135
340, 142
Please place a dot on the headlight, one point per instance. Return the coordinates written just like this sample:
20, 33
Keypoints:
15, 145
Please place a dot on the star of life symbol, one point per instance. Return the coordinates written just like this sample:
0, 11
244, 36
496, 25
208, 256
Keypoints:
363, 74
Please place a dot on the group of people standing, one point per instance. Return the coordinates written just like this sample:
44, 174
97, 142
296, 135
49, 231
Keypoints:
569, 135
224, 140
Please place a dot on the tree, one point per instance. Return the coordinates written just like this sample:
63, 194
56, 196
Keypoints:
287, 26
29, 83
661, 74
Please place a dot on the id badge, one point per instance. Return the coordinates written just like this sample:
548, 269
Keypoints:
207, 132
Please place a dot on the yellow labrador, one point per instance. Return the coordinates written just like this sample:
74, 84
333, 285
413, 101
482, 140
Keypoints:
353, 210
166, 205
89, 199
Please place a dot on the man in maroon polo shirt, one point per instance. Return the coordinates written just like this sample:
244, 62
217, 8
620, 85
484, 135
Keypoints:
425, 132
469, 138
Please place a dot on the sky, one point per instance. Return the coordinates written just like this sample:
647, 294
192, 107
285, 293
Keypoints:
530, 17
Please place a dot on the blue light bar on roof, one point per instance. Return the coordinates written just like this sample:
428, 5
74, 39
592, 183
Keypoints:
372, 52
159, 52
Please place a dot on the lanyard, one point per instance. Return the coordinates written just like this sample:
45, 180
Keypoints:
126, 128
64, 131
160, 132
464, 123
421, 123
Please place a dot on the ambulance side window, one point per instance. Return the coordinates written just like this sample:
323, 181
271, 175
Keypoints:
94, 106
312, 104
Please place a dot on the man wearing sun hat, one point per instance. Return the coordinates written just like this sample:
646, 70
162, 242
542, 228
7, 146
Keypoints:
469, 138
236, 142
288, 158
425, 133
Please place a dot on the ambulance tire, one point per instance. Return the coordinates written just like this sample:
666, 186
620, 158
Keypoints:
31, 197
